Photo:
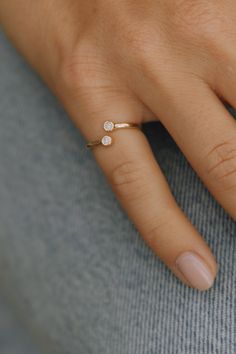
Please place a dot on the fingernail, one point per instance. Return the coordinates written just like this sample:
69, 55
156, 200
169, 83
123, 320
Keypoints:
195, 270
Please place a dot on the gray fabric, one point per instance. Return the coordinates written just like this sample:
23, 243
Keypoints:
14, 339
71, 262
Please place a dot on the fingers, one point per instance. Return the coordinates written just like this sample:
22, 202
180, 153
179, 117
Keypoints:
206, 133
226, 84
143, 192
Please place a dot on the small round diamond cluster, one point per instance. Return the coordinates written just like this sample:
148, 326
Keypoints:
108, 127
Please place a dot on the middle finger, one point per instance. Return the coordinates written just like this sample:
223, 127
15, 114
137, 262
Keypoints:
206, 133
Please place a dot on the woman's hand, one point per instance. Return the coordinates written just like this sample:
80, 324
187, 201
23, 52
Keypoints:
136, 61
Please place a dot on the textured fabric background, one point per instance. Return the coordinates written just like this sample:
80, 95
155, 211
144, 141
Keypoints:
72, 265
14, 338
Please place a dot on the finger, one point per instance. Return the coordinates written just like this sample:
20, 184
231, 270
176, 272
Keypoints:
145, 195
226, 85
223, 75
206, 133
143, 192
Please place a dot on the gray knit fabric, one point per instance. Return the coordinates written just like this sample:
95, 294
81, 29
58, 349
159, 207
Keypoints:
72, 265
14, 338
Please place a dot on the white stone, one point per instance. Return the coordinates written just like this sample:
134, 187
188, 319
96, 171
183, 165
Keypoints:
108, 126
106, 140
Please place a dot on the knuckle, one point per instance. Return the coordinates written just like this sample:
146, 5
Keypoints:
142, 48
144, 53
198, 20
128, 179
141, 45
221, 164
81, 69
85, 79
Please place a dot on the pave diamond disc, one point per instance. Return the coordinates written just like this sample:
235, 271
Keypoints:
106, 140
108, 126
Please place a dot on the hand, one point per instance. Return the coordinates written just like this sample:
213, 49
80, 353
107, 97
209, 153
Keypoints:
136, 61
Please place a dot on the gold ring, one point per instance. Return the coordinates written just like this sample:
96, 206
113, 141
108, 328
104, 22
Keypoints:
109, 126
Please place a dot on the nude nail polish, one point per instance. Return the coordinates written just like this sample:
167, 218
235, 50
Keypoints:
195, 270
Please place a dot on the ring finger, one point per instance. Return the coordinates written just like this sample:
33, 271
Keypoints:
143, 191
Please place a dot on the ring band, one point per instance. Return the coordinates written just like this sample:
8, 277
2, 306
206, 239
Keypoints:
109, 126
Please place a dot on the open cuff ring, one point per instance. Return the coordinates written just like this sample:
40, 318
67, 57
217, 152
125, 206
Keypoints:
109, 126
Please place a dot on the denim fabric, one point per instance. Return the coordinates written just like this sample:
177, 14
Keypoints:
71, 262
14, 338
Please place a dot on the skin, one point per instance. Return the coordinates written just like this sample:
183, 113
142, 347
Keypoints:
138, 61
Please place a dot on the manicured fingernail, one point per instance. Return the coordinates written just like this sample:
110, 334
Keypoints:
195, 270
